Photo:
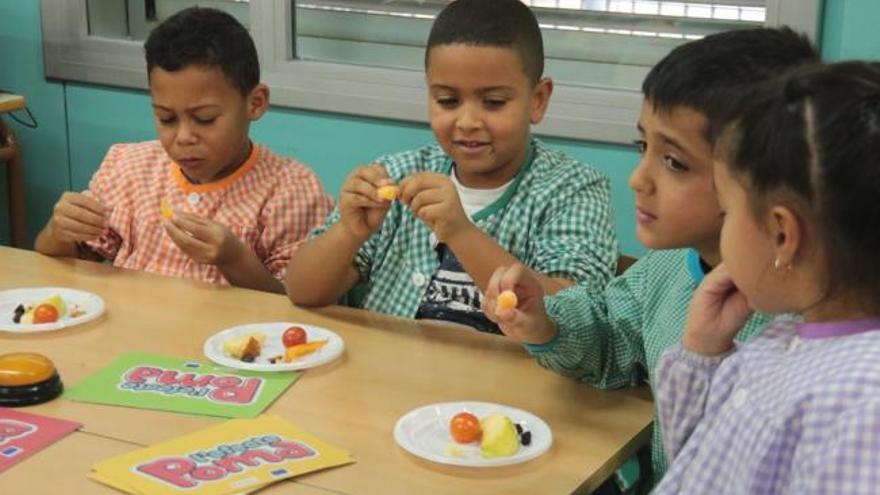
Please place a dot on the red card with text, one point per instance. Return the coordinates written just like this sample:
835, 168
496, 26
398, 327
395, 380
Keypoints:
22, 435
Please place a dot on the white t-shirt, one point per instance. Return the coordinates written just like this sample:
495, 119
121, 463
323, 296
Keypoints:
474, 200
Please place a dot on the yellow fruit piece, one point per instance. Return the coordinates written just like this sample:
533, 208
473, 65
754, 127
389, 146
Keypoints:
28, 317
236, 347
388, 193
298, 351
453, 450
506, 300
58, 303
499, 436
165, 209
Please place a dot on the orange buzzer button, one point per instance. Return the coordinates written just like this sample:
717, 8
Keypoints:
26, 379
24, 368
388, 193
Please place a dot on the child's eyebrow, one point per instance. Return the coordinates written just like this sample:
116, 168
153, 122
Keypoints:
479, 90
193, 109
677, 145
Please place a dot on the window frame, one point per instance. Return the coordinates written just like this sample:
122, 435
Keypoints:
576, 112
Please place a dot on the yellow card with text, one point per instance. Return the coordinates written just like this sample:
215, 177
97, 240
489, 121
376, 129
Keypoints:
236, 456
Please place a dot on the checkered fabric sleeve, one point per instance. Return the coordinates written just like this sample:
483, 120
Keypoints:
599, 333
575, 240
296, 206
682, 387
108, 185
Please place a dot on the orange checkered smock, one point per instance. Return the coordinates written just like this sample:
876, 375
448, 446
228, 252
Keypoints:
270, 203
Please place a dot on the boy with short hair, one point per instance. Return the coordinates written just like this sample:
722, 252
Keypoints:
202, 202
487, 195
613, 339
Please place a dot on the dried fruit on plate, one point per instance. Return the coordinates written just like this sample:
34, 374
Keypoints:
298, 351
244, 347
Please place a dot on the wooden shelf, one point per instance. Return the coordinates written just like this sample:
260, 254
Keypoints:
10, 102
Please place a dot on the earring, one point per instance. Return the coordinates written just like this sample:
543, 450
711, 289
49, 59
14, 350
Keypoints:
777, 264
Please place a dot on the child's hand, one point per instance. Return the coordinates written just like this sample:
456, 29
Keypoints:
717, 313
433, 199
77, 217
203, 240
360, 207
528, 321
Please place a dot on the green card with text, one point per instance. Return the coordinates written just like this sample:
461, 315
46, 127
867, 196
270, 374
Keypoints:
149, 381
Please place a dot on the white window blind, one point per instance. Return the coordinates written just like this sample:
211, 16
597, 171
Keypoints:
365, 57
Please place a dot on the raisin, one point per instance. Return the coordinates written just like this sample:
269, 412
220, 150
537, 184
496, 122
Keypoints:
18, 313
526, 438
519, 428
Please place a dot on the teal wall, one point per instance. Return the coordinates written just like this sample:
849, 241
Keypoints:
78, 122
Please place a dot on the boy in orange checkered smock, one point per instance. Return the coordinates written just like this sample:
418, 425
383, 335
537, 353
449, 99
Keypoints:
202, 202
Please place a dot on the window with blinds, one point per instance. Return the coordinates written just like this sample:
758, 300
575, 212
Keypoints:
604, 43
365, 57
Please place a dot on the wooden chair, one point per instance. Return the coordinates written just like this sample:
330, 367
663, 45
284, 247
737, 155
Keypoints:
624, 262
10, 154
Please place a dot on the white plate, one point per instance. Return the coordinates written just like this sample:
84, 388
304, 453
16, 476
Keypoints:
424, 432
92, 304
274, 347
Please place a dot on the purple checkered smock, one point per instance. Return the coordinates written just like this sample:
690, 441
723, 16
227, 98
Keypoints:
796, 411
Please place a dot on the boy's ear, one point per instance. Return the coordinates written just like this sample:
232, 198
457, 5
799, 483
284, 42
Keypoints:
787, 234
541, 99
258, 101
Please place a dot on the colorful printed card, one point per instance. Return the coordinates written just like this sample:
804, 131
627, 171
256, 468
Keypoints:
237, 456
22, 435
173, 384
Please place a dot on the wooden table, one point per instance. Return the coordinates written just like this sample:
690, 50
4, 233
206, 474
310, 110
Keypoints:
390, 367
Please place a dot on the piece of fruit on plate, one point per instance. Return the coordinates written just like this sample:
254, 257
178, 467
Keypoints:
49, 310
244, 347
500, 438
297, 351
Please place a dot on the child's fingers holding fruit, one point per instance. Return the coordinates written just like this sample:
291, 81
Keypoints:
78, 217
361, 207
514, 299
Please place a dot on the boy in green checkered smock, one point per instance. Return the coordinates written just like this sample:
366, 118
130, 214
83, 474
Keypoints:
613, 338
488, 194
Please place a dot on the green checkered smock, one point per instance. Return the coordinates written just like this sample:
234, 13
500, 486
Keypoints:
614, 338
555, 217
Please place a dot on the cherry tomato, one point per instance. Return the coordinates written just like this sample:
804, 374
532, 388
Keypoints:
293, 336
465, 428
45, 313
